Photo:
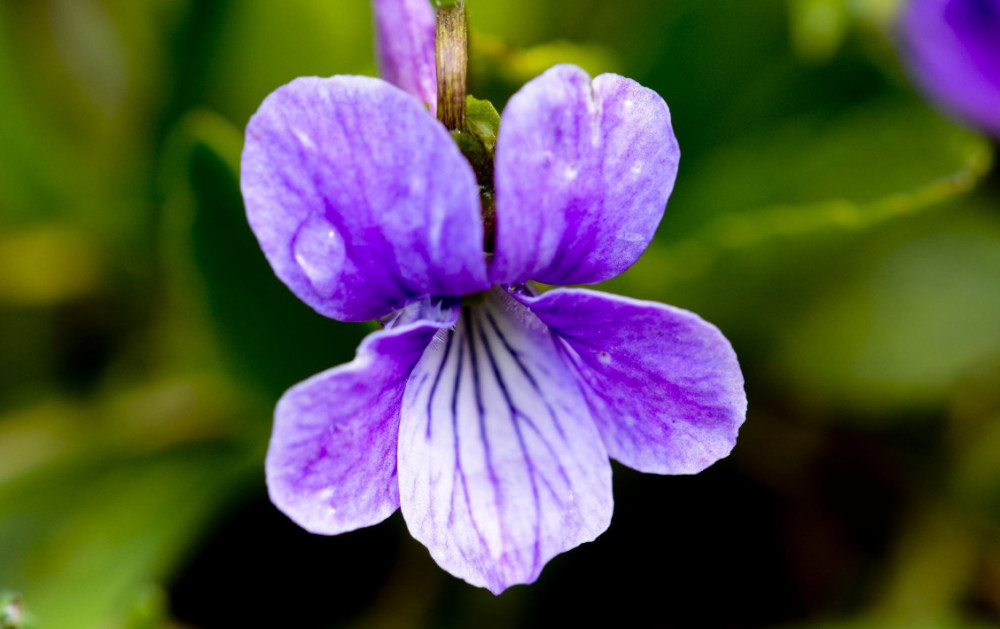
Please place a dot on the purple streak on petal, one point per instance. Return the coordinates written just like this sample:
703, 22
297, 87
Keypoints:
331, 465
664, 385
583, 172
952, 49
500, 466
405, 47
360, 199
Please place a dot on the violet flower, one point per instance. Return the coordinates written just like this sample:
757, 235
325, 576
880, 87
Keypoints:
952, 49
484, 410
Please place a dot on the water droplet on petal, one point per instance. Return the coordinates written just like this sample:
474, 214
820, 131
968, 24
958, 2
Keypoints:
604, 357
319, 252
305, 140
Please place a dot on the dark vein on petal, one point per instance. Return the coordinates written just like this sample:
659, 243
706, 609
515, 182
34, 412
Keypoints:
548, 446
437, 380
454, 430
488, 453
529, 463
514, 354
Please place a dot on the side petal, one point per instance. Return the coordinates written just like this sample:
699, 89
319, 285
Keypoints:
664, 385
331, 465
952, 49
404, 45
360, 199
583, 172
500, 465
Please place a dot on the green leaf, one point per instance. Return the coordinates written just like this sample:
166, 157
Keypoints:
79, 538
483, 121
818, 27
303, 38
907, 321
863, 156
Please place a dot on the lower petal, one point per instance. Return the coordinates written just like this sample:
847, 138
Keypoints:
500, 465
665, 386
331, 464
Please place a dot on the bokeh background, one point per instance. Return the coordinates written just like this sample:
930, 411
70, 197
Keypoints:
843, 234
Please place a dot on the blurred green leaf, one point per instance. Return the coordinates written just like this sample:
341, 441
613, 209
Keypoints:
491, 56
79, 538
76, 109
263, 44
879, 12
977, 468
867, 155
818, 27
48, 265
932, 567
907, 320
150, 608
132, 421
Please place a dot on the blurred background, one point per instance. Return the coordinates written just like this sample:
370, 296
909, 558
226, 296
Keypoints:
842, 233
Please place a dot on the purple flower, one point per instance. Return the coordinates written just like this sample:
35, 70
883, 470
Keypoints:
952, 49
484, 410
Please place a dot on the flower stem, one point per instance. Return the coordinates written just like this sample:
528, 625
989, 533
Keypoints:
451, 46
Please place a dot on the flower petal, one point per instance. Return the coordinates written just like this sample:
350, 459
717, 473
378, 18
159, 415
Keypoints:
405, 47
952, 48
360, 199
500, 466
583, 172
664, 385
331, 465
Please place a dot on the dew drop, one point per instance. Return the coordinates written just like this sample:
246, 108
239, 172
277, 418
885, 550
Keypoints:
319, 252
604, 357
305, 140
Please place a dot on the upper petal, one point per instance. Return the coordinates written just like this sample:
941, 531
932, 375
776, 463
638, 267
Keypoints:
360, 199
331, 465
404, 44
665, 386
583, 172
500, 465
952, 48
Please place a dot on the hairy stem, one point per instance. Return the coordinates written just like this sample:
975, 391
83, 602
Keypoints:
452, 51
